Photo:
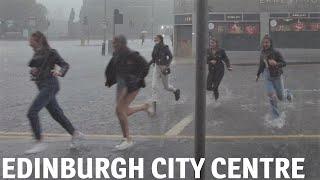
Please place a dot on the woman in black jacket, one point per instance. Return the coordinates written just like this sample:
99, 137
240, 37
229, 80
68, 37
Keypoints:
216, 57
271, 65
128, 69
44, 75
161, 58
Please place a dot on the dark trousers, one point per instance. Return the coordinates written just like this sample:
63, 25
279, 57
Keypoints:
47, 98
214, 79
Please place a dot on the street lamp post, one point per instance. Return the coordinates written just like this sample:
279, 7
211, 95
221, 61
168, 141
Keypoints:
200, 109
105, 29
152, 16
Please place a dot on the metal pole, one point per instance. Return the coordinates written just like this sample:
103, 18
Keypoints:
200, 109
105, 29
114, 26
152, 16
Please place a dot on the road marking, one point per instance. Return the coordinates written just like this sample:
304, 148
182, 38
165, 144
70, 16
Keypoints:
305, 90
178, 128
25, 135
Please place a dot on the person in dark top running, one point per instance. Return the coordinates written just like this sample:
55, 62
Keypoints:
44, 74
161, 59
127, 69
271, 65
216, 58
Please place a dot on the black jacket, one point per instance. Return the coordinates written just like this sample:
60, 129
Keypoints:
220, 56
128, 65
161, 55
275, 71
45, 60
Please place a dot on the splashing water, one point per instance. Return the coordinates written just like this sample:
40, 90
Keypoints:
248, 107
275, 123
227, 95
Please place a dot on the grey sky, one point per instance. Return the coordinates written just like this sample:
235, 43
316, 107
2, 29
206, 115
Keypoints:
60, 9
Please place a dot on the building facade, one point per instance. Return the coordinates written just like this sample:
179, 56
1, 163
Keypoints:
138, 16
240, 24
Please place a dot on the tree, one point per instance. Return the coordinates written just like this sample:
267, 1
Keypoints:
19, 12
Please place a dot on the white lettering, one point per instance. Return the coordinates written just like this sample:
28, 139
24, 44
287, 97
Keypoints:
214, 168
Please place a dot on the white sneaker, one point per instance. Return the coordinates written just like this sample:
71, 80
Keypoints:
289, 95
76, 138
152, 109
125, 144
38, 147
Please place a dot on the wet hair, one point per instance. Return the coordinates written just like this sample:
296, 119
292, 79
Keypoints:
121, 39
160, 37
41, 39
267, 37
213, 40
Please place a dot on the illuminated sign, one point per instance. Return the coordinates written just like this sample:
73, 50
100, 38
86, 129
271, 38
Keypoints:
183, 19
299, 15
234, 17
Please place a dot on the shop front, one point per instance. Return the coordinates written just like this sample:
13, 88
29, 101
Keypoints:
241, 24
237, 31
295, 30
183, 35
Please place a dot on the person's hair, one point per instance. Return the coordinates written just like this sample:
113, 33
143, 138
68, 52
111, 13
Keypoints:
160, 37
41, 39
121, 39
267, 37
213, 40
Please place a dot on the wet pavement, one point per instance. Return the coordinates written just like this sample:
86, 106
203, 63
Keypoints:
238, 125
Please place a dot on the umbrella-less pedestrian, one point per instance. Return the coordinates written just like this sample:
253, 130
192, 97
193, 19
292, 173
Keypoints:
271, 65
45, 75
215, 60
161, 58
127, 69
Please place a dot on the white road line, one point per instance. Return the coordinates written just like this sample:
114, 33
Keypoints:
305, 90
178, 128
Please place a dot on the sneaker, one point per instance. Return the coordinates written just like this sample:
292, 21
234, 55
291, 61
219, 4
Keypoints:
76, 138
289, 96
38, 147
125, 144
177, 94
152, 109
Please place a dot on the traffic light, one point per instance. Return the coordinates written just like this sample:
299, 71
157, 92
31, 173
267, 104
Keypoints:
118, 18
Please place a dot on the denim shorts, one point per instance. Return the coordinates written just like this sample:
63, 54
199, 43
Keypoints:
131, 84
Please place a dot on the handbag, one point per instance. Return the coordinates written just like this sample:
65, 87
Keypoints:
166, 71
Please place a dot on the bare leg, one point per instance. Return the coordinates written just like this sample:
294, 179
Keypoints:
122, 117
122, 111
137, 108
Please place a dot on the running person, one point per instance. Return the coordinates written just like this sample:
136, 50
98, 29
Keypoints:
128, 69
44, 75
216, 57
271, 65
161, 58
